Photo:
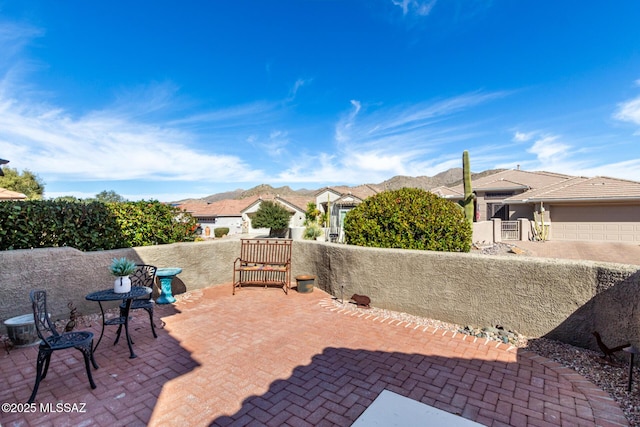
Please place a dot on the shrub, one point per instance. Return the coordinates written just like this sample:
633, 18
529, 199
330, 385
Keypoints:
312, 231
146, 223
220, 231
409, 218
51, 223
91, 226
271, 215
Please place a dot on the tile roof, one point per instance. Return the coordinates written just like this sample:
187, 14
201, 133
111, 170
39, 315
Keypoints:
361, 191
11, 195
600, 188
299, 202
514, 179
231, 207
446, 192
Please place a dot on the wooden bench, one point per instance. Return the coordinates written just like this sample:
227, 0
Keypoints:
263, 262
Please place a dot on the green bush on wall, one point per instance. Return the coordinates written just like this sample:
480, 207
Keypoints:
91, 226
409, 218
221, 231
44, 224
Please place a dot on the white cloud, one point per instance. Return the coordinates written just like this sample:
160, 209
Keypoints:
103, 145
548, 150
629, 111
297, 85
421, 8
374, 142
523, 137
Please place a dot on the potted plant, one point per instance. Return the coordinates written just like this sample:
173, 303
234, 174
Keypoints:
122, 268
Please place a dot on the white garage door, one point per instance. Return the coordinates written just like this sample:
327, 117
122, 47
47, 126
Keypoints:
596, 223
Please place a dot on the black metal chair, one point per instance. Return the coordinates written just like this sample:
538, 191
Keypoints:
52, 340
145, 275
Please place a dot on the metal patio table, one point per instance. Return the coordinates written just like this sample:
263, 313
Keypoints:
128, 297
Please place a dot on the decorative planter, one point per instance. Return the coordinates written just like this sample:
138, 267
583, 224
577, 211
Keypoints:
305, 283
22, 330
122, 285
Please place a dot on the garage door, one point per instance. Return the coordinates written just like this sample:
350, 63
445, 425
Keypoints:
595, 223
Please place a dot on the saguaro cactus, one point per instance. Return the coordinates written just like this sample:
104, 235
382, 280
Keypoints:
467, 203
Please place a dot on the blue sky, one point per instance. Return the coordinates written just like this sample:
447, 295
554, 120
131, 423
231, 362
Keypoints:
169, 100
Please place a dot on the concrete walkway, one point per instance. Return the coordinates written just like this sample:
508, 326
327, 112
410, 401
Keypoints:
265, 358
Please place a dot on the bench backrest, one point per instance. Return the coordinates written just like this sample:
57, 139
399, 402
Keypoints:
266, 251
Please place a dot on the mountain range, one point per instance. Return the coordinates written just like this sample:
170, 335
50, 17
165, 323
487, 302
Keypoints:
448, 178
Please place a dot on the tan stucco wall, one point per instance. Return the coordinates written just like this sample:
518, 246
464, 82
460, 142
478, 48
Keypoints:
68, 274
565, 300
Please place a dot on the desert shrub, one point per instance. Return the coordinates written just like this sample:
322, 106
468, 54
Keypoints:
220, 231
312, 231
409, 218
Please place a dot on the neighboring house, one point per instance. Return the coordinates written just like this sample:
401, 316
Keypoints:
296, 205
221, 214
573, 208
592, 209
339, 201
492, 191
11, 195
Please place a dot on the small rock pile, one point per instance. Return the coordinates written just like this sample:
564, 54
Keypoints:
497, 333
496, 249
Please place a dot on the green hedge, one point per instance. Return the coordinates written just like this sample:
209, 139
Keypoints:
221, 231
408, 218
91, 226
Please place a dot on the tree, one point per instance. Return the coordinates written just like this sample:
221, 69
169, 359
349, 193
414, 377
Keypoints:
109, 197
312, 214
271, 215
26, 183
409, 218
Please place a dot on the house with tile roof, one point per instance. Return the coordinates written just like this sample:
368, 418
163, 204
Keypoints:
220, 214
572, 207
296, 205
592, 209
340, 200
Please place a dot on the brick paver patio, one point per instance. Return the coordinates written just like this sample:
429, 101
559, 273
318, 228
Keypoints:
264, 358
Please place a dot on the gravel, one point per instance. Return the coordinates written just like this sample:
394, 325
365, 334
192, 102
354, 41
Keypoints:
610, 376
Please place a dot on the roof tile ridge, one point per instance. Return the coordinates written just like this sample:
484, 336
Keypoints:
551, 188
616, 179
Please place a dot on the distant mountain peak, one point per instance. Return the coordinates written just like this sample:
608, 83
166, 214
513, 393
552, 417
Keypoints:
448, 178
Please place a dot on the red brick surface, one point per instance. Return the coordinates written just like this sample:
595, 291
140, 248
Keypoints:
265, 358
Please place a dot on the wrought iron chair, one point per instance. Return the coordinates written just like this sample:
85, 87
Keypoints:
52, 340
145, 275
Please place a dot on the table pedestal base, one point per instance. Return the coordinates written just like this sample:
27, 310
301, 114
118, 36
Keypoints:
166, 276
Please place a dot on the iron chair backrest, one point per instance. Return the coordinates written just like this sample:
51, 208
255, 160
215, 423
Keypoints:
44, 326
145, 275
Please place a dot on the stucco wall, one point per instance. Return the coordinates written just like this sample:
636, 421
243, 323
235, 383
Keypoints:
560, 299
565, 300
68, 274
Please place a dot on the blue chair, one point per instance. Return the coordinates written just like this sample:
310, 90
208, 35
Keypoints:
52, 340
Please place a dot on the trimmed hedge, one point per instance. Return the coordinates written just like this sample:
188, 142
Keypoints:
44, 224
409, 218
220, 231
91, 226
